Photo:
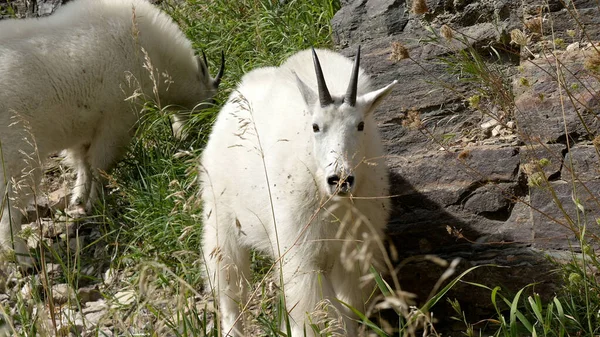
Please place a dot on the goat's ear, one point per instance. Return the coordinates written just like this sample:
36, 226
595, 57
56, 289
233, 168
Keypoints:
372, 99
310, 97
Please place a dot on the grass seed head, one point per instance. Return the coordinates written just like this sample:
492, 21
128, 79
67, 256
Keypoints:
412, 120
518, 37
420, 7
534, 25
463, 155
596, 142
592, 61
447, 32
399, 52
474, 101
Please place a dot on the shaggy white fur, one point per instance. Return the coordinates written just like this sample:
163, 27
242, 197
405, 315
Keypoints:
71, 81
300, 179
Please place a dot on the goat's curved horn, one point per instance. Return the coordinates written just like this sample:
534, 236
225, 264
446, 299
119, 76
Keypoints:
324, 96
221, 70
205, 60
350, 97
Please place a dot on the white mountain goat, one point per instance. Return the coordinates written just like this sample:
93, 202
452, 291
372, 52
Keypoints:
71, 81
297, 173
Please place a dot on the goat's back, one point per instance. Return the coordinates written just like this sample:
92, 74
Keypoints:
66, 72
260, 134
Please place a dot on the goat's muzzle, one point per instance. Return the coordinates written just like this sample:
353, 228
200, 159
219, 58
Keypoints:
340, 185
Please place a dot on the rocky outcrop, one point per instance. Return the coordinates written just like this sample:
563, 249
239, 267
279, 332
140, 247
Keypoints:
474, 179
28, 8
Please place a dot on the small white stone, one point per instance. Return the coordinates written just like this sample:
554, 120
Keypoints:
95, 317
59, 199
95, 311
125, 297
496, 130
489, 124
26, 291
62, 293
109, 276
95, 306
33, 240
573, 46
105, 332
71, 322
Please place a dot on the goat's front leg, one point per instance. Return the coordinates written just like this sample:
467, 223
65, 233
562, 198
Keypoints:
347, 280
310, 299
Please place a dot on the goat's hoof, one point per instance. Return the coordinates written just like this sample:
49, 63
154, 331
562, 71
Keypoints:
76, 212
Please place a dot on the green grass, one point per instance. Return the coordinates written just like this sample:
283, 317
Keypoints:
156, 225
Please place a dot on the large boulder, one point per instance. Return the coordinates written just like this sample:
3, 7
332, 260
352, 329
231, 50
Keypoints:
27, 8
493, 187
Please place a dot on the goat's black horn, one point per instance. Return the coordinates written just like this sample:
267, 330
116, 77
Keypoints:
205, 60
350, 97
221, 70
324, 96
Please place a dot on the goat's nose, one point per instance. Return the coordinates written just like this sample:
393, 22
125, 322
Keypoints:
333, 180
344, 184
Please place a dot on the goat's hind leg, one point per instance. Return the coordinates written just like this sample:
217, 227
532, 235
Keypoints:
109, 145
10, 225
100, 155
19, 180
77, 158
228, 269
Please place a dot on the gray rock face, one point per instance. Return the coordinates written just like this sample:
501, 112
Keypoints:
483, 193
539, 106
28, 8
364, 20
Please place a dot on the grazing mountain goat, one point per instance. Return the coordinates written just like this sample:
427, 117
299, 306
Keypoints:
70, 81
297, 173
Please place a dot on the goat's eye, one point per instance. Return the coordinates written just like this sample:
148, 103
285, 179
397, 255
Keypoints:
361, 126
315, 127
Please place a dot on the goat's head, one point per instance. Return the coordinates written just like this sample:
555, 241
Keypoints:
204, 74
341, 126
208, 86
